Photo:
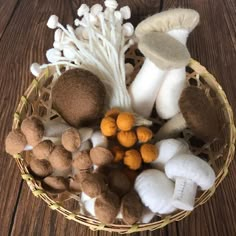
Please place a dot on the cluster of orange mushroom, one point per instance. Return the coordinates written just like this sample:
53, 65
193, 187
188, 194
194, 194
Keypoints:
131, 142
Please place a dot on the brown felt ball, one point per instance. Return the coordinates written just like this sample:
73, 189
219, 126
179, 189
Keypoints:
43, 149
79, 97
33, 129
119, 182
71, 140
107, 206
101, 156
131, 208
82, 160
60, 158
15, 142
55, 184
41, 168
93, 185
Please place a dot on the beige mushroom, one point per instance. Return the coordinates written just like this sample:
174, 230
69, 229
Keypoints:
101, 156
40, 168
82, 160
43, 149
55, 184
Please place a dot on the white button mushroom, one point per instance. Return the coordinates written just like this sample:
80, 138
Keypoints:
188, 171
162, 53
52, 22
155, 191
177, 23
167, 149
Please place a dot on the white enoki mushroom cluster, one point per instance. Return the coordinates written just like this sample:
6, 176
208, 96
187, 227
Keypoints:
98, 44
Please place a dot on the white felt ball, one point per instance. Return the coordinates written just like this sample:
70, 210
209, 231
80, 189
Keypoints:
125, 12
128, 29
52, 22
155, 191
53, 55
82, 10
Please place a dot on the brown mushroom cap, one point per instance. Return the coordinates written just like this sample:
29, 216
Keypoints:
119, 183
79, 97
43, 149
163, 50
60, 158
82, 160
33, 129
101, 156
55, 184
199, 114
93, 185
107, 207
71, 140
165, 21
40, 168
74, 185
131, 208
15, 142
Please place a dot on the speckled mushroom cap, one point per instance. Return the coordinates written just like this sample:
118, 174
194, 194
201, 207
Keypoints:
163, 50
178, 18
101, 156
199, 114
71, 140
60, 158
33, 129
40, 168
131, 208
82, 160
107, 206
15, 142
79, 97
55, 184
43, 149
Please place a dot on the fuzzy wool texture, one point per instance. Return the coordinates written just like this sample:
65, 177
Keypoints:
55, 184
101, 156
43, 149
71, 140
40, 168
178, 18
82, 160
79, 97
163, 50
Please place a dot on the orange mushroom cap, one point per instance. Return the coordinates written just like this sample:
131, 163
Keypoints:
133, 159
125, 121
108, 126
127, 138
144, 134
148, 152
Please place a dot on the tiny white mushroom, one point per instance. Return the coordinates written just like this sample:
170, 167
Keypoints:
52, 22
96, 9
188, 171
128, 29
83, 9
155, 191
53, 55
99, 140
35, 69
125, 12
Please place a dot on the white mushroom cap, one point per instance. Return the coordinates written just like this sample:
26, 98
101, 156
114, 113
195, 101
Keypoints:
191, 167
167, 149
163, 50
155, 191
165, 21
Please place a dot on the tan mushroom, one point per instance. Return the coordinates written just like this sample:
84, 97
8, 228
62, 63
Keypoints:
40, 168
43, 149
55, 184
82, 160
101, 156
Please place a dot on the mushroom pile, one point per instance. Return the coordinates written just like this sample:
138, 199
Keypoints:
102, 147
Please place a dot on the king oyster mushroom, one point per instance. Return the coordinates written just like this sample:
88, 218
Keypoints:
197, 113
177, 23
162, 53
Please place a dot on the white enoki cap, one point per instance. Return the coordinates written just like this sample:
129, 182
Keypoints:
96, 9
35, 69
52, 22
53, 55
125, 12
84, 8
128, 29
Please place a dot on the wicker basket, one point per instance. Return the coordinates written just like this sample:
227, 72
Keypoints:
219, 153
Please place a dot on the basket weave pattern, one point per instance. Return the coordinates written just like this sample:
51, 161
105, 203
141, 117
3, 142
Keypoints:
219, 153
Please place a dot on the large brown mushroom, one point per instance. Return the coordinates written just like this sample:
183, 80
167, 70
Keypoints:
40, 168
43, 149
81, 160
197, 113
79, 97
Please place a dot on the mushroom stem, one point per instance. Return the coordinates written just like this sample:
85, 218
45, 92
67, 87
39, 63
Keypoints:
184, 194
171, 128
54, 128
144, 88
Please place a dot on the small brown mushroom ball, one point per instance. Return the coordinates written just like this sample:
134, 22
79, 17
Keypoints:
40, 168
43, 149
15, 142
71, 140
101, 156
33, 129
55, 184
82, 160
106, 207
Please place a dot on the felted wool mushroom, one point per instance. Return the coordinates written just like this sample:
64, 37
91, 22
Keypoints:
55, 184
148, 152
197, 113
43, 149
162, 53
167, 149
155, 191
40, 168
131, 208
144, 134
82, 160
188, 172
177, 23
72, 138
101, 156
127, 138
133, 159
108, 126
79, 97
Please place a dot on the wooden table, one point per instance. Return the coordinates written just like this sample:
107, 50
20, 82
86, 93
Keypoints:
24, 38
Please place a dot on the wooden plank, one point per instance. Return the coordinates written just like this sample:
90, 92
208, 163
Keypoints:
213, 44
7, 9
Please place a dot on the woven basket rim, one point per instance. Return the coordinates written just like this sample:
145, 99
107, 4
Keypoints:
94, 224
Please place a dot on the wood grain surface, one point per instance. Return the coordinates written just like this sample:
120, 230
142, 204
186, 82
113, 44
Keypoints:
24, 38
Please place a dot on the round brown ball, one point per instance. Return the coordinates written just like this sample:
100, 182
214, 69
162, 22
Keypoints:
15, 142
41, 168
101, 156
79, 97
60, 158
43, 149
93, 185
71, 140
107, 206
82, 160
55, 184
33, 129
